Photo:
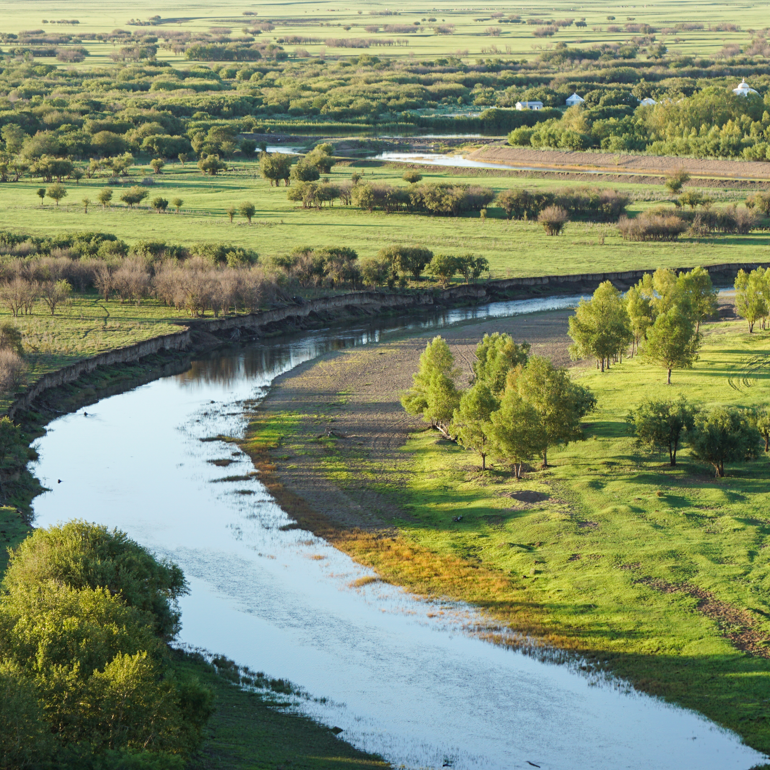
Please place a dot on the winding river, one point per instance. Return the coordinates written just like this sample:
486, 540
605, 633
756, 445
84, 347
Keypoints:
401, 676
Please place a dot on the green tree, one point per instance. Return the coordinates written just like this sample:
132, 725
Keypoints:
696, 286
761, 421
275, 167
672, 341
516, 432
412, 176
304, 171
104, 197
407, 259
13, 448
212, 165
470, 422
177, 204
160, 204
434, 395
133, 196
56, 192
658, 425
321, 157
559, 402
157, 165
443, 267
496, 356
41, 194
724, 435
750, 296
600, 326
54, 293
86, 203
183, 157
640, 314
231, 212
676, 179
247, 210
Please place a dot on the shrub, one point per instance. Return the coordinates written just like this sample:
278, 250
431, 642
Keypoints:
553, 219
652, 226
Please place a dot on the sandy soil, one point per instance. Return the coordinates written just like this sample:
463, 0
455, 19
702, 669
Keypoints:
351, 398
643, 164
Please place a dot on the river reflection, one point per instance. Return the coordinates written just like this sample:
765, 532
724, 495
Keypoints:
400, 676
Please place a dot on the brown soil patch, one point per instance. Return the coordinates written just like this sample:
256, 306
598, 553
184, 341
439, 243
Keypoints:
736, 625
639, 164
351, 399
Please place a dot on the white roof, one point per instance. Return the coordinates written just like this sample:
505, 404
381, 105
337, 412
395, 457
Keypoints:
744, 89
647, 102
575, 98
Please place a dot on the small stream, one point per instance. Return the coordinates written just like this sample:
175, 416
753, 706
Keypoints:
401, 676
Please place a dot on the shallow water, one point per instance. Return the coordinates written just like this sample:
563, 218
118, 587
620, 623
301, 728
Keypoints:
402, 676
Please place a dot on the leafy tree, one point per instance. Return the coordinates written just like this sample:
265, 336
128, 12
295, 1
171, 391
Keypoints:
750, 296
183, 157
696, 286
54, 293
676, 179
761, 421
658, 425
470, 422
13, 137
247, 210
157, 165
177, 204
496, 356
443, 267
724, 435
275, 167
516, 431
693, 199
559, 402
472, 267
104, 197
407, 259
134, 196
412, 176
212, 165
553, 219
41, 194
86, 203
434, 395
304, 171
321, 157
640, 314
231, 212
56, 192
13, 448
672, 341
160, 204
600, 327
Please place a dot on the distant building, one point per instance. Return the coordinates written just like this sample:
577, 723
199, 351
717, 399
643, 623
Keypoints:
574, 99
648, 102
744, 89
529, 105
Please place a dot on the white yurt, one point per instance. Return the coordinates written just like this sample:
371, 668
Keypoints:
744, 89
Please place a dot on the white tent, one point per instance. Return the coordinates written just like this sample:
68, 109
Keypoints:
648, 102
574, 99
744, 89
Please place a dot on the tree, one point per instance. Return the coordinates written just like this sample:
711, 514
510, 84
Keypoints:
553, 219
212, 165
134, 196
177, 204
183, 157
750, 296
412, 176
696, 286
54, 293
676, 179
321, 157
104, 197
160, 204
86, 203
559, 402
13, 448
157, 165
724, 435
496, 356
56, 192
434, 395
470, 422
693, 199
640, 314
472, 266
41, 194
247, 210
516, 432
658, 425
275, 167
600, 327
231, 212
761, 421
672, 341
443, 267
304, 171
407, 259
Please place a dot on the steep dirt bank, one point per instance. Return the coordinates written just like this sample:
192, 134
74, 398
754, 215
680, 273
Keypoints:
642, 164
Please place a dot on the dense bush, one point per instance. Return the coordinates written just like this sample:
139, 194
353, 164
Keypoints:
652, 226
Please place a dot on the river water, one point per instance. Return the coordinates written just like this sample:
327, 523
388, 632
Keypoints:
401, 676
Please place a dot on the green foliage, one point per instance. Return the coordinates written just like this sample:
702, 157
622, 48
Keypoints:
443, 267
407, 259
275, 167
658, 425
247, 209
724, 435
470, 422
673, 340
105, 196
516, 431
697, 288
212, 165
160, 204
496, 355
134, 196
412, 176
304, 171
601, 326
752, 291
56, 192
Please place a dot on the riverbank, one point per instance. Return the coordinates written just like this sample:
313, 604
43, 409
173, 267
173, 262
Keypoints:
645, 571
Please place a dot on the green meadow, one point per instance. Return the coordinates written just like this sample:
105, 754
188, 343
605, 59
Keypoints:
279, 225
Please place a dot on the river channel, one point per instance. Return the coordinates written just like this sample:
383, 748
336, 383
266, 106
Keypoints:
400, 676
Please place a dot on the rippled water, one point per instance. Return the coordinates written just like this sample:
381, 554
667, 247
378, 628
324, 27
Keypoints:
401, 675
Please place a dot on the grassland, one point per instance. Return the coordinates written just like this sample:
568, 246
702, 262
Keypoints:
658, 574
280, 225
323, 20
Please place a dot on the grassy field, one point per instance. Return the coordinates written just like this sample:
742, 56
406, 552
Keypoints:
470, 37
660, 575
280, 225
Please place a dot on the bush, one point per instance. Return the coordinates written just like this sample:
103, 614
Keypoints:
651, 226
553, 219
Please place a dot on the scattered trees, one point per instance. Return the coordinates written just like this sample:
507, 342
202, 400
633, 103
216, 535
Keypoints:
724, 435
160, 204
471, 420
658, 425
133, 196
672, 340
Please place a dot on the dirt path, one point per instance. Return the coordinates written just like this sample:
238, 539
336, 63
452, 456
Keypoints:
351, 398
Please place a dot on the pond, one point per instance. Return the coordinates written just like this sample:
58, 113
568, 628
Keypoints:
400, 676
